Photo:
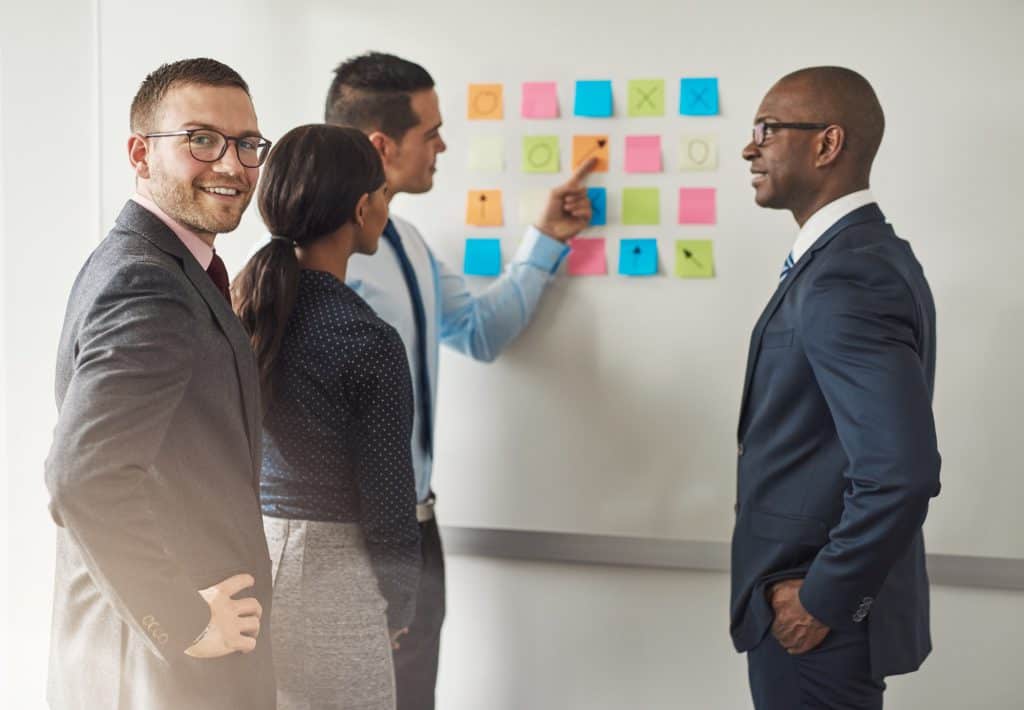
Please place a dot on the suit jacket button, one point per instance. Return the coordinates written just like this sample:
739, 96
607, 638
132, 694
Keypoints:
739, 450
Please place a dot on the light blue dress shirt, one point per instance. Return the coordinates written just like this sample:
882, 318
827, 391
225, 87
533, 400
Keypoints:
479, 326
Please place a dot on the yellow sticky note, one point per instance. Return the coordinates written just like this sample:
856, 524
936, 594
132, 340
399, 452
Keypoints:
531, 205
486, 102
486, 154
584, 147
698, 153
483, 208
694, 259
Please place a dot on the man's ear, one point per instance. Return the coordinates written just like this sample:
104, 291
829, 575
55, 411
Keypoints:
361, 207
830, 145
138, 155
384, 144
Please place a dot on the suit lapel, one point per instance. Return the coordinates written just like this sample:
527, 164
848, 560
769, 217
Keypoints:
143, 222
867, 213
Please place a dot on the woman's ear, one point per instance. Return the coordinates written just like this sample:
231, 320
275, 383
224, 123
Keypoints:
361, 209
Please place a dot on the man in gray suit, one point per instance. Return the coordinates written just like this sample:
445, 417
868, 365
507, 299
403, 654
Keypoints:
163, 574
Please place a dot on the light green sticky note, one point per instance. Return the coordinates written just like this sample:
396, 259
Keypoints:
531, 205
540, 154
694, 259
646, 97
641, 205
486, 154
698, 152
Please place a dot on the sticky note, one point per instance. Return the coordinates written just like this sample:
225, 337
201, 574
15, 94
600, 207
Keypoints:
586, 257
485, 102
483, 257
483, 208
540, 99
646, 97
593, 99
641, 205
698, 97
540, 154
486, 154
638, 257
531, 205
698, 153
643, 154
694, 259
598, 197
584, 147
697, 205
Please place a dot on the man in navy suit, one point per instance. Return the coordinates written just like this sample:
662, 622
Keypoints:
837, 448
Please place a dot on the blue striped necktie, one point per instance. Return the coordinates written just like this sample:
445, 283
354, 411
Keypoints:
786, 267
420, 316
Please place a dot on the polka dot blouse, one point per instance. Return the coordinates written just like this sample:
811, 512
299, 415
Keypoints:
337, 435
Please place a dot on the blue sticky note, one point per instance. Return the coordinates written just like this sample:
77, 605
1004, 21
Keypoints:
593, 99
598, 197
698, 97
483, 257
638, 257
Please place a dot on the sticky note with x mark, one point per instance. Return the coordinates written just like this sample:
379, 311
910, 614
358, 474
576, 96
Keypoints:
698, 97
584, 147
483, 208
598, 197
486, 102
647, 97
694, 259
638, 257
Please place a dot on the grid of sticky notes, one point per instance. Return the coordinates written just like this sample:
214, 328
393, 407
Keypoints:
540, 153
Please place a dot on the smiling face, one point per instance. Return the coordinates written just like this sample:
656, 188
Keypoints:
207, 198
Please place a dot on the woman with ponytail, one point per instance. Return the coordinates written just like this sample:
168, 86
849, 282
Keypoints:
336, 486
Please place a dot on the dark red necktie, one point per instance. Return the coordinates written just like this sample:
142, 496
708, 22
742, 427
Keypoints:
219, 274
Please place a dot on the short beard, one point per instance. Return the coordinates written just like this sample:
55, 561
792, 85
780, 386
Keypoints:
179, 202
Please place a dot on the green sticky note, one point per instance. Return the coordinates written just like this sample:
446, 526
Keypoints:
486, 154
641, 205
694, 259
647, 97
540, 154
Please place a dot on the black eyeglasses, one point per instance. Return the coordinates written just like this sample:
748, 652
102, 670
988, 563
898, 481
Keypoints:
761, 129
208, 146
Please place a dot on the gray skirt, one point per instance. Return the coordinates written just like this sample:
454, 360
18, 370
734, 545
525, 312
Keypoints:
329, 627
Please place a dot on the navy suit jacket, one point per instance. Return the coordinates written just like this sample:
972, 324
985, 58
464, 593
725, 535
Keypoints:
837, 448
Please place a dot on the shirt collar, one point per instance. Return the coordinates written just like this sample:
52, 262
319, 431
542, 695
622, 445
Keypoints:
202, 251
820, 221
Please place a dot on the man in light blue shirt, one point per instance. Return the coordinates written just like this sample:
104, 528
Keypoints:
394, 102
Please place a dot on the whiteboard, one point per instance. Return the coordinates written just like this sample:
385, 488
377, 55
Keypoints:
615, 413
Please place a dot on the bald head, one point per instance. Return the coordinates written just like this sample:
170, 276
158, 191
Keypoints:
841, 96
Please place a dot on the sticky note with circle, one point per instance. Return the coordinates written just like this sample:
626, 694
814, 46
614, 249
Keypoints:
587, 257
697, 205
694, 259
486, 102
638, 257
540, 154
483, 208
646, 97
698, 153
584, 147
698, 97
643, 154
540, 99
593, 99
482, 258
641, 205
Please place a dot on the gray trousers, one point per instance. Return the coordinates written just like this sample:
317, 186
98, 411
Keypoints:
331, 645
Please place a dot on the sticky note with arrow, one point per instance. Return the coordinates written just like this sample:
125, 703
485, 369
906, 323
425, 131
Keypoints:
483, 208
584, 147
694, 259
638, 257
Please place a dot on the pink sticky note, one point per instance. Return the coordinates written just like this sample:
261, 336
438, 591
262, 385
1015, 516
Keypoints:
586, 257
696, 205
643, 154
540, 99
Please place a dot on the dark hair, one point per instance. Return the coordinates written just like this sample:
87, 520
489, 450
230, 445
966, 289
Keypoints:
312, 181
371, 92
201, 71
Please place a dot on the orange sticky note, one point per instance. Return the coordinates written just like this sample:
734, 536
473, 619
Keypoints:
584, 147
483, 208
485, 102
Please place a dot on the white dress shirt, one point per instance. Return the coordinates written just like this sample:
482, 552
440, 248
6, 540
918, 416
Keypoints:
819, 222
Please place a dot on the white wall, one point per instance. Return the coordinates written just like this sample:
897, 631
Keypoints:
520, 635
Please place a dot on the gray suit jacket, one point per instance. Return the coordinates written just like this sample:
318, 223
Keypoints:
154, 481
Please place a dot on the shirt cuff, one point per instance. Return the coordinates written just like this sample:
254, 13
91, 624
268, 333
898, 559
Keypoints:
540, 250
